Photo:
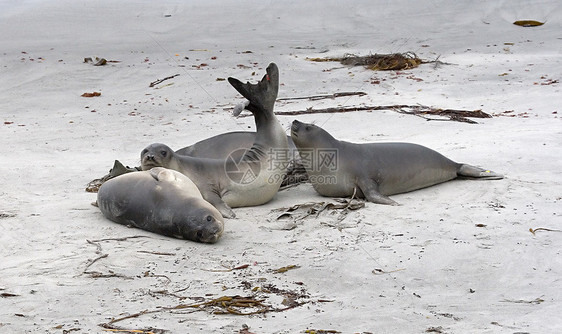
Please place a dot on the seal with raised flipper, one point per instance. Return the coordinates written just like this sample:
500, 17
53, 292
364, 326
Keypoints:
224, 144
162, 201
374, 170
235, 144
249, 180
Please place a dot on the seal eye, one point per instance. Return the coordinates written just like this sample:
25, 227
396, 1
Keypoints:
163, 153
209, 218
144, 151
199, 234
307, 128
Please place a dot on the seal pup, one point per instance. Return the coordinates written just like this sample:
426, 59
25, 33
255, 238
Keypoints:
255, 177
374, 170
224, 144
162, 201
235, 144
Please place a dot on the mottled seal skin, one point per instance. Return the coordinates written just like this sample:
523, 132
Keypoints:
162, 201
216, 178
375, 170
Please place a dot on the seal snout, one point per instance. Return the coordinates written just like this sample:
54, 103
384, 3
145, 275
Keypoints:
212, 233
295, 126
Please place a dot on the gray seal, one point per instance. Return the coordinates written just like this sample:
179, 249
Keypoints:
162, 201
374, 170
235, 144
250, 180
224, 144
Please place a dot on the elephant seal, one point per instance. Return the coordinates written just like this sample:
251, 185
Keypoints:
162, 201
235, 144
223, 145
255, 177
375, 170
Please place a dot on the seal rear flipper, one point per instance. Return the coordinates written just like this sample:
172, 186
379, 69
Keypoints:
470, 171
120, 169
369, 189
262, 95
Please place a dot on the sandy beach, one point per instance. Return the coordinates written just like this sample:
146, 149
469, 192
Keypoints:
461, 257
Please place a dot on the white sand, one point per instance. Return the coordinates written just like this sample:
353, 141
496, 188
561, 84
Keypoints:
436, 269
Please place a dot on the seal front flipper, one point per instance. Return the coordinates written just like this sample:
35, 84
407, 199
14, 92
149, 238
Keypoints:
163, 175
470, 171
219, 204
262, 95
369, 189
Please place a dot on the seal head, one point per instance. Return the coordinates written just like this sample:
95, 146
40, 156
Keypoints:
156, 155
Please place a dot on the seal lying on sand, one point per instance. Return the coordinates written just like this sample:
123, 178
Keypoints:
252, 179
374, 171
235, 144
161, 201
223, 145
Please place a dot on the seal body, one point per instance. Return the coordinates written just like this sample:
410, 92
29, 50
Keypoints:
374, 170
247, 180
223, 145
162, 201
235, 144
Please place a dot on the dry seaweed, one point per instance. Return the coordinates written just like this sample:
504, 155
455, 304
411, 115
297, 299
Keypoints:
528, 23
244, 266
93, 94
90, 262
285, 269
304, 210
416, 110
378, 271
157, 81
8, 295
542, 229
110, 328
231, 305
378, 62
97, 61
156, 253
325, 96
521, 301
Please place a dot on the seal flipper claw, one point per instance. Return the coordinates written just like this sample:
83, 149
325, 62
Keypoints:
369, 189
